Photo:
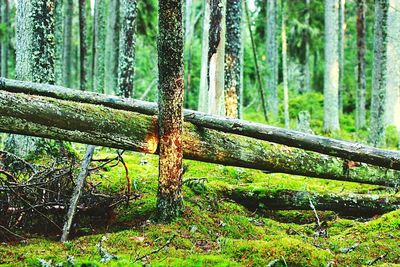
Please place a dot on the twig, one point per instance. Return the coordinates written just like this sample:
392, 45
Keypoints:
377, 259
10, 232
8, 175
156, 250
128, 180
315, 211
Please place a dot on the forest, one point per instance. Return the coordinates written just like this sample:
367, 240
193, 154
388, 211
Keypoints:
199, 133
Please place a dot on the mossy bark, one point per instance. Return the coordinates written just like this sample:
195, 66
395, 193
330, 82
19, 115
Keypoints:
99, 125
233, 60
170, 88
127, 48
58, 34
82, 46
99, 40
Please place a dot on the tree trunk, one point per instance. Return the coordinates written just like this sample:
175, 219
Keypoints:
67, 43
5, 43
58, 34
127, 47
344, 149
356, 205
272, 57
379, 79
284, 67
100, 125
203, 91
361, 80
393, 66
342, 6
233, 59
216, 57
331, 68
112, 47
188, 48
99, 46
82, 46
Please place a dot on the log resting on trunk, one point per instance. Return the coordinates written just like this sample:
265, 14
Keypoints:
99, 125
344, 204
344, 149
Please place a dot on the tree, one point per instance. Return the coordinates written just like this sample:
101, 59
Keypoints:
112, 47
341, 42
284, 66
233, 59
98, 46
203, 91
216, 57
82, 46
127, 43
67, 43
379, 76
361, 81
272, 57
170, 104
331, 68
4, 6
58, 34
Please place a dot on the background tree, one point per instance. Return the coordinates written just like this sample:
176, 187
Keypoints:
4, 12
82, 46
170, 104
112, 47
67, 43
203, 90
284, 66
272, 57
342, 28
98, 45
361, 79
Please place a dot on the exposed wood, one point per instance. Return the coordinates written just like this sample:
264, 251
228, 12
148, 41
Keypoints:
100, 125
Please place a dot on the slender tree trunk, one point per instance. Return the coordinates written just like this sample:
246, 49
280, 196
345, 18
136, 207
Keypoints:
127, 47
67, 43
5, 43
379, 79
58, 29
188, 47
305, 81
242, 42
331, 68
112, 47
83, 46
99, 46
361, 81
233, 60
272, 57
342, 8
216, 57
203, 92
284, 66
170, 68
393, 66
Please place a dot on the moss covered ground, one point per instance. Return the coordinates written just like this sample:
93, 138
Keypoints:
215, 231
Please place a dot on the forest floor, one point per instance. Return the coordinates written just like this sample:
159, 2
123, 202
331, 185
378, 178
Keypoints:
215, 231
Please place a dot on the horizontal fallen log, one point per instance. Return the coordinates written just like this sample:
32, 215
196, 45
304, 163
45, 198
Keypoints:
344, 149
357, 205
99, 125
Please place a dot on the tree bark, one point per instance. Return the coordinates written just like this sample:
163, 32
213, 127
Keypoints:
346, 150
379, 79
272, 57
284, 67
127, 48
82, 45
99, 46
233, 60
112, 47
67, 43
331, 68
216, 57
170, 89
203, 91
5, 43
100, 125
58, 36
357, 205
361, 63
342, 6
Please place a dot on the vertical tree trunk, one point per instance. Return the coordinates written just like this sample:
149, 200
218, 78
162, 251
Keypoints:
170, 68
58, 33
331, 68
233, 59
99, 46
361, 81
272, 57
342, 8
305, 81
67, 43
284, 66
5, 43
393, 65
83, 45
188, 46
203, 92
216, 57
112, 47
127, 46
243, 37
379, 79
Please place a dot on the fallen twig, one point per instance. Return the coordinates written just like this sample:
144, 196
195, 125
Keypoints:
156, 250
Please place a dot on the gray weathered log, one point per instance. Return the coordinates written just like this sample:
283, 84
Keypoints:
344, 149
100, 125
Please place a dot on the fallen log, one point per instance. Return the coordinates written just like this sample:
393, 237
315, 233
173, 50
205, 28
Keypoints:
344, 149
357, 205
99, 125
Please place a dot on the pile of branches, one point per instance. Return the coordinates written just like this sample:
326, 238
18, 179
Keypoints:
34, 198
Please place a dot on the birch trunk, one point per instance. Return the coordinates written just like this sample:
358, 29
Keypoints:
331, 68
361, 80
342, 26
203, 92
